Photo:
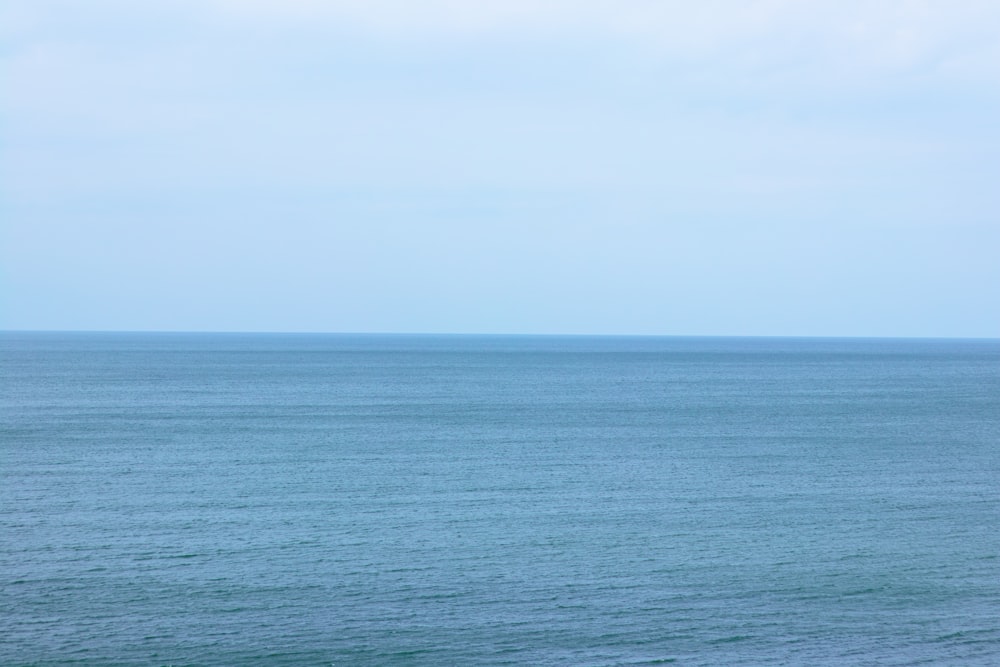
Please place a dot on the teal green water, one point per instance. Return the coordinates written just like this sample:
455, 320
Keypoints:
184, 499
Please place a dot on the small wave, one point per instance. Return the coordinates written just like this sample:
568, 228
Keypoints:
731, 639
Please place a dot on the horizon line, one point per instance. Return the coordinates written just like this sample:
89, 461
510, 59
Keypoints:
249, 332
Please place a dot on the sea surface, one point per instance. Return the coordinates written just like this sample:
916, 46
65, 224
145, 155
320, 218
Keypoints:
237, 499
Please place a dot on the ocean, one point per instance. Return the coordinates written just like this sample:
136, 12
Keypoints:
272, 499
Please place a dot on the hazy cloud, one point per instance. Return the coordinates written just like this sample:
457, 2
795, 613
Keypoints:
701, 158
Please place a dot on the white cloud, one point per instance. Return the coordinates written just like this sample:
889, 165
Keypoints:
815, 43
889, 35
587, 93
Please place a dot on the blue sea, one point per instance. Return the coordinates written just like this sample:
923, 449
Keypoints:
266, 499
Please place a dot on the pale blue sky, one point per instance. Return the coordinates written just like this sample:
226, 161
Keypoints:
725, 168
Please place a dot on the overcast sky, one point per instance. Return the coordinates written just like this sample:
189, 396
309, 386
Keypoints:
750, 167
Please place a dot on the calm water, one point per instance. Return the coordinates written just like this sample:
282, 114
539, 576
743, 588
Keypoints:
406, 500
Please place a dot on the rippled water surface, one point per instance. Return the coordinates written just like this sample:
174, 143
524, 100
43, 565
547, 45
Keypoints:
184, 499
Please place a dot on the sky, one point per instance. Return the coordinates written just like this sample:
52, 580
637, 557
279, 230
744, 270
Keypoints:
721, 167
